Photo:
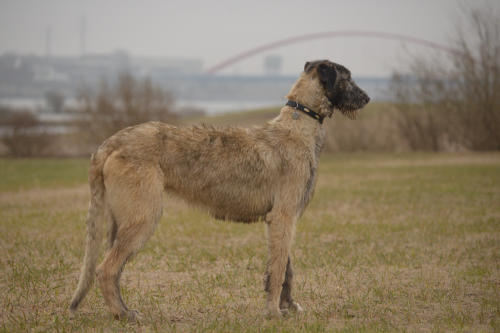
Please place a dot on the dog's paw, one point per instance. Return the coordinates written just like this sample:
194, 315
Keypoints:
285, 313
132, 316
292, 306
295, 307
274, 314
71, 314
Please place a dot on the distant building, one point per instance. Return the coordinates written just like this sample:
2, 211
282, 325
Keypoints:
166, 66
273, 65
31, 76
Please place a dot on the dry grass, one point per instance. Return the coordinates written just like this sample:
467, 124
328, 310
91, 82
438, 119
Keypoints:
390, 242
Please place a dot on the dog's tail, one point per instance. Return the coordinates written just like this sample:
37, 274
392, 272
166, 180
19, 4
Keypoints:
94, 222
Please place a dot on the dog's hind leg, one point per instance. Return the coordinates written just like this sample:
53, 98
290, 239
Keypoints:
135, 201
112, 230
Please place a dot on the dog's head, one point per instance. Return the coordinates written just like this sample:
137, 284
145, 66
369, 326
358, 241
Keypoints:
340, 90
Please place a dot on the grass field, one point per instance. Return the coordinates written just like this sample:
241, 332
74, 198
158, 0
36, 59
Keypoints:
390, 242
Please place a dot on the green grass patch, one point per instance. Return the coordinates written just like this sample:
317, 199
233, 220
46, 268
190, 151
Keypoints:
19, 174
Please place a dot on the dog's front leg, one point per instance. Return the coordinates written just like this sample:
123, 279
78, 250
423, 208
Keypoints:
280, 227
286, 299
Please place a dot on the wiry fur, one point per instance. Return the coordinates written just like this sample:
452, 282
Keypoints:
266, 173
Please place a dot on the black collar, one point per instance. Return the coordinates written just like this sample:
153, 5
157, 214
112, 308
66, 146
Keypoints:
306, 110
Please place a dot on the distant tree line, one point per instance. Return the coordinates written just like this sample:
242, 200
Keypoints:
98, 114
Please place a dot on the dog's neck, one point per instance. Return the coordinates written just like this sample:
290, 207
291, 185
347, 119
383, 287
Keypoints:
310, 131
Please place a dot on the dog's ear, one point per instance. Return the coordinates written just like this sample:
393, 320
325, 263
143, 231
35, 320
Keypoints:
328, 76
306, 66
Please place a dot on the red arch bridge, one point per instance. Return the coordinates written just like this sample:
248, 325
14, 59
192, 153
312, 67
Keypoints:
324, 35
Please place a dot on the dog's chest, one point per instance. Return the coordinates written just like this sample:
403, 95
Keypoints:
309, 187
313, 167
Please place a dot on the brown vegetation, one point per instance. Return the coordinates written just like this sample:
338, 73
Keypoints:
128, 102
21, 133
454, 103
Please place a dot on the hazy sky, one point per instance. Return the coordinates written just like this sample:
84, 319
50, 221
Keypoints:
214, 30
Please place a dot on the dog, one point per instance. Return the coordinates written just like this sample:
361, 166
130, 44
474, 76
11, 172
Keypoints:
266, 173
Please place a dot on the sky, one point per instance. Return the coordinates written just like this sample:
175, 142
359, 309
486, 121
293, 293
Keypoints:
213, 31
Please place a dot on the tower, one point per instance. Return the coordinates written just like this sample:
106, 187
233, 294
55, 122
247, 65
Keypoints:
272, 65
83, 35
